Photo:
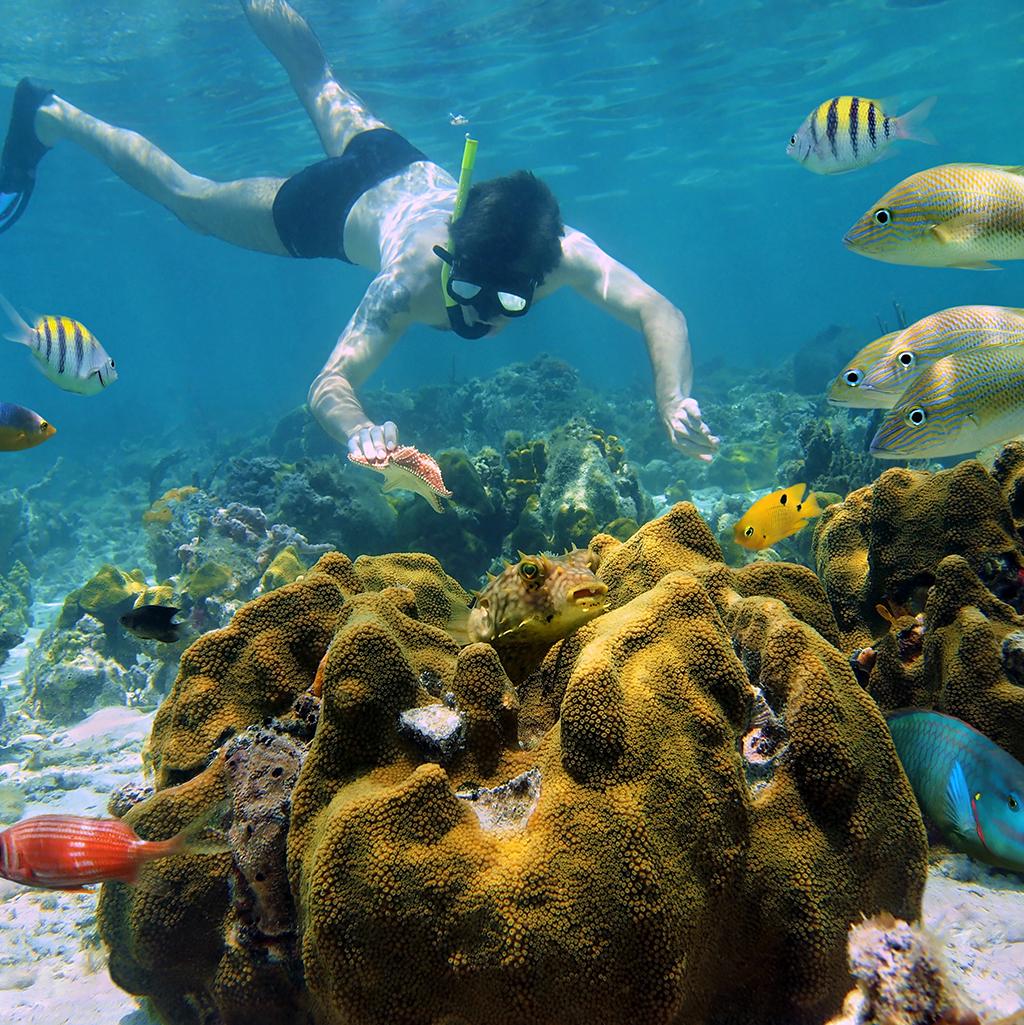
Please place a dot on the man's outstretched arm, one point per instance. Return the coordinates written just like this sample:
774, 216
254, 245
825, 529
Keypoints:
378, 322
617, 289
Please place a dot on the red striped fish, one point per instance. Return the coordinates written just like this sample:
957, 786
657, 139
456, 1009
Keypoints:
67, 852
67, 352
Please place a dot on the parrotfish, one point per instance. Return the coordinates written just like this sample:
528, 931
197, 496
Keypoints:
920, 344
539, 599
67, 352
961, 403
775, 516
846, 389
955, 215
21, 428
848, 132
68, 852
967, 784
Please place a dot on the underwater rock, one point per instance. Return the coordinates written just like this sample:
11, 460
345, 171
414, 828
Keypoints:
15, 607
126, 796
437, 730
634, 723
505, 808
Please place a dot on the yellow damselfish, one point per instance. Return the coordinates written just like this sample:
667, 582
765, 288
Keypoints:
776, 516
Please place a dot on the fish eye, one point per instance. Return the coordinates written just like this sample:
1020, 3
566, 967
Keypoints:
792, 140
906, 359
1012, 803
43, 425
111, 364
852, 377
749, 532
916, 417
882, 215
528, 570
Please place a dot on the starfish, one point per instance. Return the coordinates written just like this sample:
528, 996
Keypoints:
408, 468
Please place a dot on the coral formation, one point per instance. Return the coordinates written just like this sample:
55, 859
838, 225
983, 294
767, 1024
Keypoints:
591, 851
15, 607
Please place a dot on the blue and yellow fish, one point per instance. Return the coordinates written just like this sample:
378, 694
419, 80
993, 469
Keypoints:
67, 352
21, 428
848, 132
965, 783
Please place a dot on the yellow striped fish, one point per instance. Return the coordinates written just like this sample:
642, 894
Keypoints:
67, 352
848, 132
959, 404
937, 335
846, 390
955, 215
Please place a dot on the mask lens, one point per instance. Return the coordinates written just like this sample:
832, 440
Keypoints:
511, 303
464, 290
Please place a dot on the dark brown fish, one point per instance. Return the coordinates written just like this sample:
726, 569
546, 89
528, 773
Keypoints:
153, 623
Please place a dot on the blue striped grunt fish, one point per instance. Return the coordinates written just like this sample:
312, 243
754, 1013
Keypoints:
21, 428
961, 403
920, 344
846, 390
965, 783
67, 352
848, 132
955, 215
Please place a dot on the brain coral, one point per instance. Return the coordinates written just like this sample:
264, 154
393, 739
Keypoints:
592, 853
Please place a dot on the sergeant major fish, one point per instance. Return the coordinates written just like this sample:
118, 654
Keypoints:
920, 344
967, 784
955, 215
539, 599
21, 428
848, 132
67, 352
961, 403
775, 516
67, 852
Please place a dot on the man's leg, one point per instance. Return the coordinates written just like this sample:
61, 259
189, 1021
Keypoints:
336, 113
238, 212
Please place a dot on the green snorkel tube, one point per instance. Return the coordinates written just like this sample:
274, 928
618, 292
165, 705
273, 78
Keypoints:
455, 316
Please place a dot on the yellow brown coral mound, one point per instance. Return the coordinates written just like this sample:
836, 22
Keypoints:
621, 867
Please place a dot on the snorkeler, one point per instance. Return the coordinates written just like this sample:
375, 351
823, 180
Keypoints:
378, 202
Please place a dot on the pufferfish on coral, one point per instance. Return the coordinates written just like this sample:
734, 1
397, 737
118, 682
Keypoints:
538, 600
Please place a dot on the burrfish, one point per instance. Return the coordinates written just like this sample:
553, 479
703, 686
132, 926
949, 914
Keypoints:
21, 428
955, 215
926, 340
67, 352
846, 390
539, 599
775, 516
961, 403
848, 132
966, 783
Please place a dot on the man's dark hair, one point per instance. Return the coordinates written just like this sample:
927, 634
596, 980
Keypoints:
510, 223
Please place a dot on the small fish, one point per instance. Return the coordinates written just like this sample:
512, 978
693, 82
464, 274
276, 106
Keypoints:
457, 119
848, 132
959, 404
539, 599
407, 468
20, 428
153, 623
67, 352
775, 516
955, 215
846, 389
967, 784
67, 852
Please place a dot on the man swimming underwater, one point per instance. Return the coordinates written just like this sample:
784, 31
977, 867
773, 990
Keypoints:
378, 202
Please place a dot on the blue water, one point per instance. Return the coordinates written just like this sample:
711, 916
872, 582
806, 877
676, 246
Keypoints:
661, 127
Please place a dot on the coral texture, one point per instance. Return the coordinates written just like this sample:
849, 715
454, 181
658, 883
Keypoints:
591, 851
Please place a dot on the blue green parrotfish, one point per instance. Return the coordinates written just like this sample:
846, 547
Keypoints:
965, 783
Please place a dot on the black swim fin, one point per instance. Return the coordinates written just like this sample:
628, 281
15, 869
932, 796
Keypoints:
22, 152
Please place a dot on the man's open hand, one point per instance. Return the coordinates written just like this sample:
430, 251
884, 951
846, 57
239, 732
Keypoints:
687, 431
375, 442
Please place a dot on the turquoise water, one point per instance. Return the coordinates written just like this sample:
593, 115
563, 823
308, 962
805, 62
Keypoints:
661, 127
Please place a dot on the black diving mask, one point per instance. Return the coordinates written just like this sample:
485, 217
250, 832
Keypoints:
507, 295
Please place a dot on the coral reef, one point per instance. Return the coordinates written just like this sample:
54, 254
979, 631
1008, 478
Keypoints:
15, 607
927, 571
542, 875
